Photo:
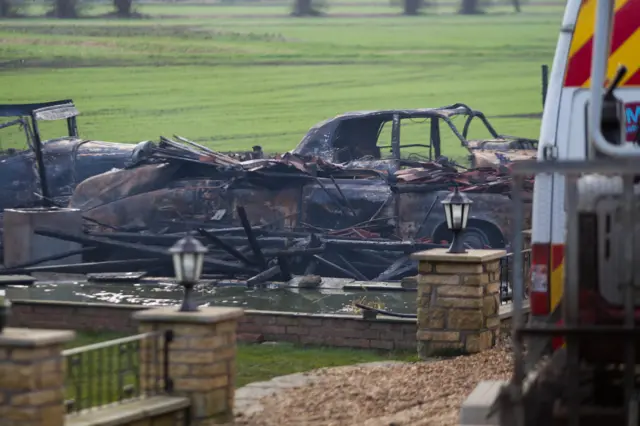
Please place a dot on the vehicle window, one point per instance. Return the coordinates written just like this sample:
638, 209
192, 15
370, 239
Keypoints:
450, 144
356, 139
12, 137
413, 131
53, 129
477, 129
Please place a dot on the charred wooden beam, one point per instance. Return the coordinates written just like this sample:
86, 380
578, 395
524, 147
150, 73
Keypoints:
285, 270
356, 244
391, 270
104, 225
135, 237
372, 255
294, 252
352, 268
224, 246
253, 242
344, 199
263, 276
334, 266
136, 248
335, 199
50, 258
210, 226
90, 267
379, 245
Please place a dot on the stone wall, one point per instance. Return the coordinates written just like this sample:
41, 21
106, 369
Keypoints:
327, 330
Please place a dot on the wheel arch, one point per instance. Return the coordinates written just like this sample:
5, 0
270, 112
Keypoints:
476, 228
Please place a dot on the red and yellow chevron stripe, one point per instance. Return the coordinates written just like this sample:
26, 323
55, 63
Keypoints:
625, 44
557, 284
557, 275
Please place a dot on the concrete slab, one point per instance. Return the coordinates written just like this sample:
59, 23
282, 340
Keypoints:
475, 408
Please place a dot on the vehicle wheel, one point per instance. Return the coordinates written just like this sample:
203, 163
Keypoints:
475, 238
478, 235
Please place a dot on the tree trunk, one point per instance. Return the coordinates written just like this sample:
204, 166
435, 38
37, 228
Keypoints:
302, 8
5, 8
411, 7
123, 7
469, 7
66, 9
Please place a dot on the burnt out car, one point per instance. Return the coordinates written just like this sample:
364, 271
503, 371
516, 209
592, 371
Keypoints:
362, 138
35, 171
336, 182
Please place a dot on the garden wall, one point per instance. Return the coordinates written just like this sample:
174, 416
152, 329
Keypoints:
327, 330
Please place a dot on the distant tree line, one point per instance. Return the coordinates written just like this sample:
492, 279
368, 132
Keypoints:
410, 7
69, 9
65, 9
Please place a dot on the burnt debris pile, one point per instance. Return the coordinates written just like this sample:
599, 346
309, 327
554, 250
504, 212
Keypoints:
355, 198
271, 219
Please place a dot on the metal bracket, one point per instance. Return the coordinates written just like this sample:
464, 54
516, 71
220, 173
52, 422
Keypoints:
549, 152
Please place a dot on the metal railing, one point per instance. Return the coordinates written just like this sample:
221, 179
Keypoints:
117, 371
506, 275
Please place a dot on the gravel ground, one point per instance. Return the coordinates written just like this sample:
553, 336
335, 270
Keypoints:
417, 394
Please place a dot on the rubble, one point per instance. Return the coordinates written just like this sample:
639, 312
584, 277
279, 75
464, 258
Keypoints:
333, 206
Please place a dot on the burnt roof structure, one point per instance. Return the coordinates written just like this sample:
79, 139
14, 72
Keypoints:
22, 110
352, 135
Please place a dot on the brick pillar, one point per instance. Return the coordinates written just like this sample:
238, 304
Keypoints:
31, 377
458, 300
201, 357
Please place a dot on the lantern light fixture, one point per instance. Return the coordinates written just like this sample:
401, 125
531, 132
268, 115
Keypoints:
188, 257
456, 210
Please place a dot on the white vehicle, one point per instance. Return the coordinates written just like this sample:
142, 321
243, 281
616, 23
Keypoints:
586, 199
565, 127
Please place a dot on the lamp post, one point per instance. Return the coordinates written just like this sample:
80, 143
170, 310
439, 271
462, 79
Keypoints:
188, 256
456, 210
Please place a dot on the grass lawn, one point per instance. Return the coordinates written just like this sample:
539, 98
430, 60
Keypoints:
235, 76
254, 363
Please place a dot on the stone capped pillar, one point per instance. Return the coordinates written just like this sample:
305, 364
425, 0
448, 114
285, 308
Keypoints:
32, 377
458, 300
202, 358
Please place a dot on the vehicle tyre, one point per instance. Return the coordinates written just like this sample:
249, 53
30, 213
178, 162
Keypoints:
476, 238
478, 235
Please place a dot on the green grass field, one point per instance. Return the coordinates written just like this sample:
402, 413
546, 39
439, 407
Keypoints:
236, 76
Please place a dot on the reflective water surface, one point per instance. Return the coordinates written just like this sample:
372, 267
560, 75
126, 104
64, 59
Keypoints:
330, 299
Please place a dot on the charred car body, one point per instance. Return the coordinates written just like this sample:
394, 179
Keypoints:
329, 184
66, 160
336, 184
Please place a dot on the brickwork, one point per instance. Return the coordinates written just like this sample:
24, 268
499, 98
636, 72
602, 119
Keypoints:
202, 357
31, 377
313, 329
458, 300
